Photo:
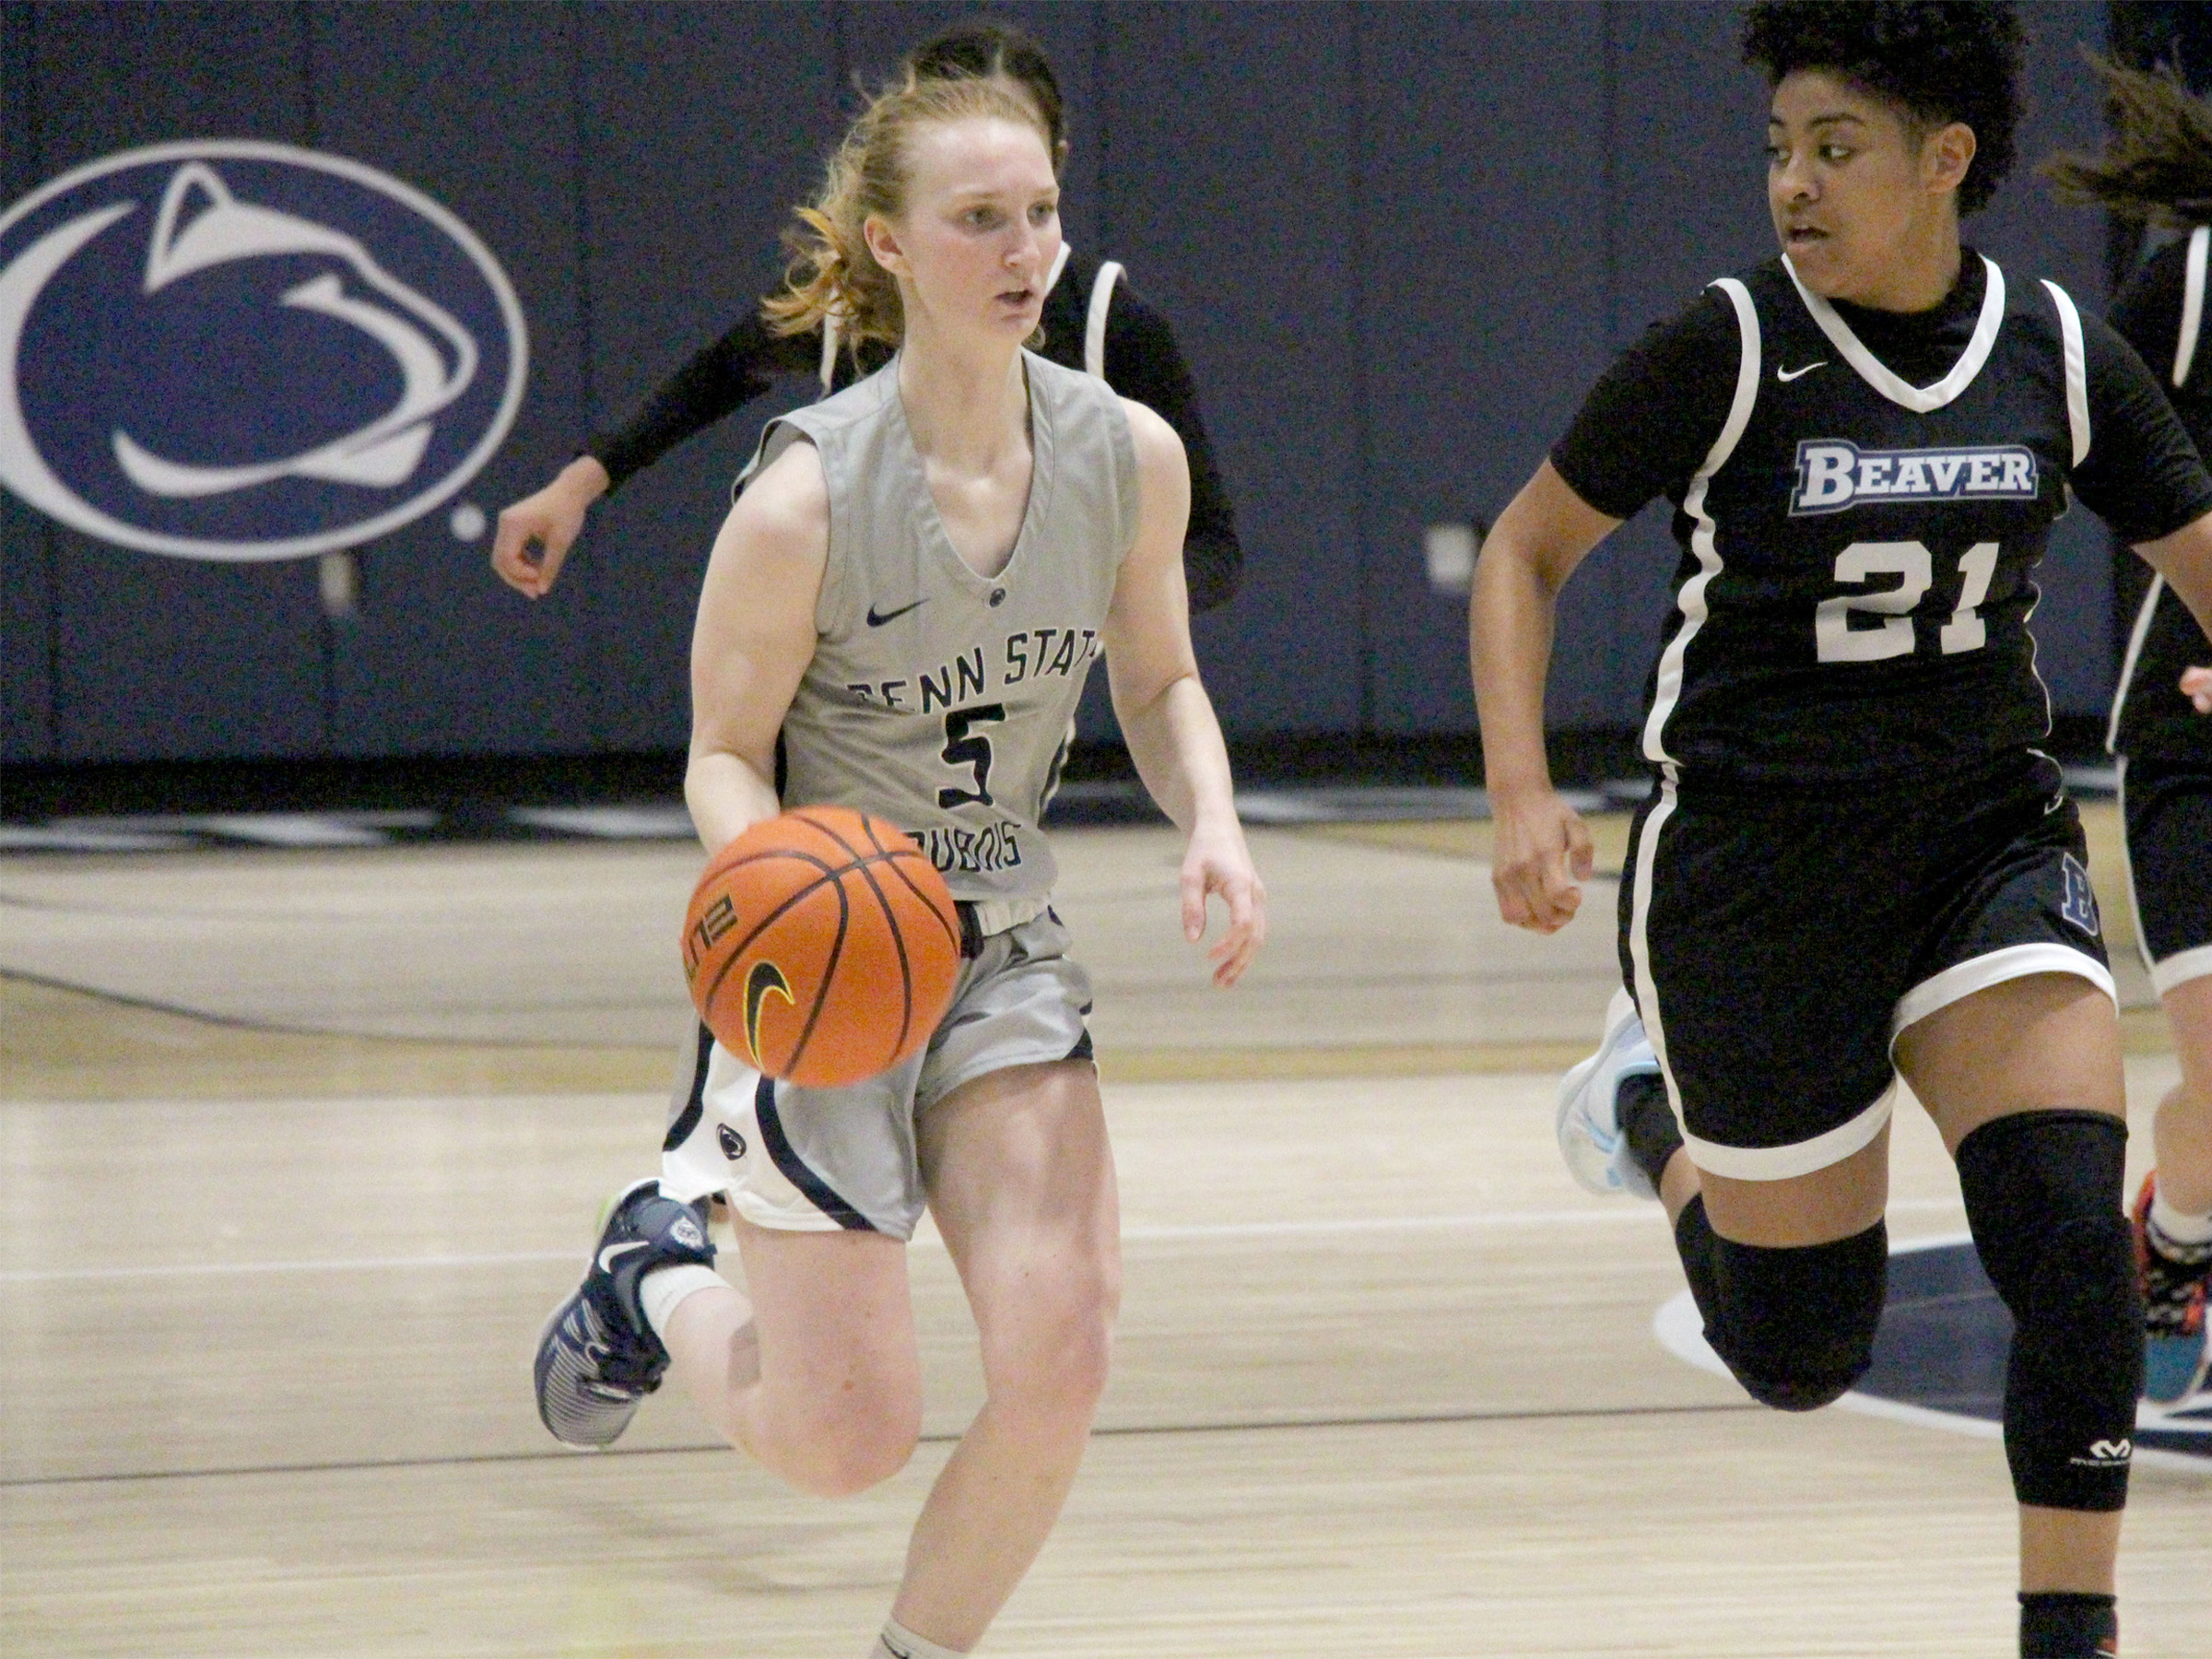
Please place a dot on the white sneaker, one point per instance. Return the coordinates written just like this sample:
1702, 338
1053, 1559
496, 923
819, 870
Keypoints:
1587, 1118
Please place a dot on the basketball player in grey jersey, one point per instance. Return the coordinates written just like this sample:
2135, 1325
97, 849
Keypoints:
909, 590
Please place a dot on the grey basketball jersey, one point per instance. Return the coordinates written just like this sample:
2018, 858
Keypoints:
939, 699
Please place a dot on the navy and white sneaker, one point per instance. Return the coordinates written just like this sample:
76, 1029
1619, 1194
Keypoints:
597, 1357
1588, 1120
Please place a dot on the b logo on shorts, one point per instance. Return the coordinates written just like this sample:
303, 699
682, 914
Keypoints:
731, 1142
2079, 905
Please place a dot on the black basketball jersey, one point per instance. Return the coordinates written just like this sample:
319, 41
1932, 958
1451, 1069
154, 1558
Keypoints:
1854, 598
2161, 314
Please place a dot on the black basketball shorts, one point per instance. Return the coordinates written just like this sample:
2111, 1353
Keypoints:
1777, 942
2168, 809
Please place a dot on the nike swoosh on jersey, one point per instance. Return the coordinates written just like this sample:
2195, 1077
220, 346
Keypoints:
1786, 375
606, 1264
878, 621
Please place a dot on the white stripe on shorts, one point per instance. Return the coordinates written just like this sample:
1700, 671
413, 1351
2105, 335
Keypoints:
1994, 967
1800, 1158
2181, 968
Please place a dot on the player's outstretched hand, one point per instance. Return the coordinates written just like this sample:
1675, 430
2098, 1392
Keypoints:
549, 521
1540, 858
2196, 686
1218, 862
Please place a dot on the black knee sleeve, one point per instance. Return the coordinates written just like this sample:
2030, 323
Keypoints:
2044, 1191
1796, 1326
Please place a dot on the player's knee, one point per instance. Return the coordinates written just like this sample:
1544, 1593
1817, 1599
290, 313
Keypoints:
2042, 1194
1054, 1361
846, 1451
1796, 1326
841, 1429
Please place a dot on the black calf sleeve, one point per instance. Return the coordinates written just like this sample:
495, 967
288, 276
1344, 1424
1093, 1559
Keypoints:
2042, 1196
1647, 1123
1796, 1326
2057, 1625
1694, 1239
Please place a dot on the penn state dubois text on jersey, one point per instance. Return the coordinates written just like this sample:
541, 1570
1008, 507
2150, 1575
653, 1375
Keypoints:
1026, 654
1835, 474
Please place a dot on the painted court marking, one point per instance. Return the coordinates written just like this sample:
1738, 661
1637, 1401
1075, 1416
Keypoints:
1139, 1234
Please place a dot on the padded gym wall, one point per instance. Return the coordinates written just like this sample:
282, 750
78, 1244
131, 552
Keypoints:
1397, 242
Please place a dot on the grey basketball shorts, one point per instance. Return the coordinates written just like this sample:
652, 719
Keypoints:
817, 1160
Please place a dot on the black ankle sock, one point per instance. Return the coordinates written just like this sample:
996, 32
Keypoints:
1648, 1121
2057, 1624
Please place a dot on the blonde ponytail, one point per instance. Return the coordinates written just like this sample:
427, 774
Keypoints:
832, 273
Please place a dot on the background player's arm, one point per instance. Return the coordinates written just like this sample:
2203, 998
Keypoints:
753, 639
2184, 558
1542, 849
1145, 364
713, 383
1166, 718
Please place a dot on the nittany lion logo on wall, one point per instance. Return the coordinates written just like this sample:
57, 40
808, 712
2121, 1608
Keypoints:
237, 350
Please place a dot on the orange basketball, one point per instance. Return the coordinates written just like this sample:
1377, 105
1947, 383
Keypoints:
821, 947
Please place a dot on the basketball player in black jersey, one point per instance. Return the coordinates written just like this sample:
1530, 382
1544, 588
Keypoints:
1137, 355
2157, 167
1854, 860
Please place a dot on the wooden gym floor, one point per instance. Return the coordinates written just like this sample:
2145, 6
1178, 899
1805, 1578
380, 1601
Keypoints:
296, 1150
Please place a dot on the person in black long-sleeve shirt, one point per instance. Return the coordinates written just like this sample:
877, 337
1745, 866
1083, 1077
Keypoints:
2157, 167
1093, 320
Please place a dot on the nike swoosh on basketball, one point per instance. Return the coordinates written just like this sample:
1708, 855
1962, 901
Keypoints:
878, 621
1787, 375
607, 1256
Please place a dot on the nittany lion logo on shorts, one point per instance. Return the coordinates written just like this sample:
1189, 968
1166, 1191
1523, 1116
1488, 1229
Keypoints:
235, 350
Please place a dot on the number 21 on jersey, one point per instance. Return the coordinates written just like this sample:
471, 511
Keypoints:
1836, 641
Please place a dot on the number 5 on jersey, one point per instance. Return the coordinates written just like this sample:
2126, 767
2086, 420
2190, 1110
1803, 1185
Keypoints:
1836, 641
965, 746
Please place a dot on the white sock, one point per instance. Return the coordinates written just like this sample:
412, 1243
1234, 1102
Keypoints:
2188, 1231
660, 1291
899, 1642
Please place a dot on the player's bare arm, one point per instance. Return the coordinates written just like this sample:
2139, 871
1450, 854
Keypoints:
1542, 850
753, 641
2184, 558
1165, 715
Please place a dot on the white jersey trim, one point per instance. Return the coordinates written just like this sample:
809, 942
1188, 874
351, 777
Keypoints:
1094, 322
2078, 372
833, 324
1640, 941
1877, 374
1994, 967
1667, 689
2127, 862
2127, 663
2181, 968
2192, 303
833, 328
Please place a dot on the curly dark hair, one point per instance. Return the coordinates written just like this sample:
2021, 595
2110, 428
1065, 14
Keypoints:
1939, 61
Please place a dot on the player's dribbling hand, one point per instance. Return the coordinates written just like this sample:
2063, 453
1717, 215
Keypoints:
550, 520
1218, 862
2196, 686
1541, 857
